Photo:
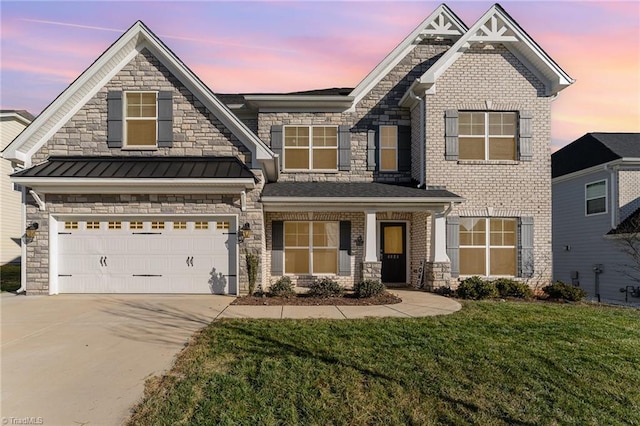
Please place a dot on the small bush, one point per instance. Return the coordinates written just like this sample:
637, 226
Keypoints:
560, 290
511, 288
325, 287
476, 288
444, 291
368, 288
282, 288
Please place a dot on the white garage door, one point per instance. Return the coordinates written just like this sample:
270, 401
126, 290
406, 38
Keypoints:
121, 255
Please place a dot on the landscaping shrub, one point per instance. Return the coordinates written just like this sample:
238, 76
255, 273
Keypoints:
252, 270
368, 288
282, 288
444, 291
325, 287
511, 288
560, 290
476, 288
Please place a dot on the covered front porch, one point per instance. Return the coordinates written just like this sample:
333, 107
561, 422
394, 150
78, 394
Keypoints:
356, 231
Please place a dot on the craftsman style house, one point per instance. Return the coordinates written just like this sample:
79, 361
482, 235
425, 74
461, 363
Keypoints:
139, 178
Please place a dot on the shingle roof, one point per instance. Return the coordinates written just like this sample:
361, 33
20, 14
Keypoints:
631, 225
593, 149
350, 190
139, 168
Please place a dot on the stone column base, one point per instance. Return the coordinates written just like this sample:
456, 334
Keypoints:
437, 274
372, 271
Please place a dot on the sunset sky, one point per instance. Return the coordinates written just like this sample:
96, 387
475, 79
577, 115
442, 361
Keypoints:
237, 47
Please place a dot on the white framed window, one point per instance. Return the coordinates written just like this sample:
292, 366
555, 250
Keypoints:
488, 246
595, 194
157, 225
179, 225
141, 119
93, 225
71, 225
486, 135
135, 225
201, 225
388, 148
114, 225
311, 148
311, 247
222, 225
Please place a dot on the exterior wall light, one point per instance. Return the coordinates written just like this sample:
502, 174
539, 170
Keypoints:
30, 232
359, 241
244, 232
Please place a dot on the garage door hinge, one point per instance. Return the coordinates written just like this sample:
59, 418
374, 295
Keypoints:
64, 233
230, 275
229, 233
146, 275
146, 233
62, 275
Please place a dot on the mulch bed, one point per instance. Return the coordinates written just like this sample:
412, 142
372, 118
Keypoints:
304, 300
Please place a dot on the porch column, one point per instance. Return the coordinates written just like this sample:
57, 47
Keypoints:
370, 248
438, 238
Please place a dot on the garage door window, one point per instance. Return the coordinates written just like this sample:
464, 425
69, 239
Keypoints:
135, 225
115, 225
202, 225
179, 225
93, 225
157, 225
222, 225
71, 225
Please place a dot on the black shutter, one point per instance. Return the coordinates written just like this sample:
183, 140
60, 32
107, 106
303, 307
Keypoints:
114, 119
276, 141
165, 119
453, 244
344, 147
344, 259
451, 134
277, 247
372, 150
526, 247
404, 148
525, 140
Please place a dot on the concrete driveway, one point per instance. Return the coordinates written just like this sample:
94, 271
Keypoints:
83, 359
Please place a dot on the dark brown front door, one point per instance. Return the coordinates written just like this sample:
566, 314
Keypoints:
394, 252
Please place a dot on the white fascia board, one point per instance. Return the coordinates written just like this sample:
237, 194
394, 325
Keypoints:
400, 51
15, 116
463, 44
354, 204
303, 103
589, 170
133, 186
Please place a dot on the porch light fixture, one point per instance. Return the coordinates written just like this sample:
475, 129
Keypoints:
30, 232
359, 241
244, 232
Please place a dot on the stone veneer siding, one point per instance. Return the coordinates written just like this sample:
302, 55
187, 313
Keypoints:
493, 79
628, 192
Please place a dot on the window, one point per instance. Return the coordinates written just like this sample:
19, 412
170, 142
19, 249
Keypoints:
71, 225
179, 225
596, 197
222, 225
311, 247
311, 148
157, 225
488, 246
140, 119
93, 225
135, 225
388, 148
202, 225
115, 225
487, 135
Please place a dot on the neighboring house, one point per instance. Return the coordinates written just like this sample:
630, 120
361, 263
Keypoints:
596, 196
435, 166
12, 122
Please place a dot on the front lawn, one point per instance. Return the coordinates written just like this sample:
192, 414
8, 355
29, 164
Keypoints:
491, 363
9, 277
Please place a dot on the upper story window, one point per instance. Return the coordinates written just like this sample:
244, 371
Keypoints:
388, 148
311, 148
596, 197
140, 120
487, 135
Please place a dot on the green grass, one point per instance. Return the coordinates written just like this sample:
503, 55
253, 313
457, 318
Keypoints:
9, 277
491, 363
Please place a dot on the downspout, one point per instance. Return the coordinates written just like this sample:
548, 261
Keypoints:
613, 198
23, 244
422, 141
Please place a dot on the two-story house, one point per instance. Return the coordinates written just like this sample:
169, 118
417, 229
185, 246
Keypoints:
436, 166
596, 215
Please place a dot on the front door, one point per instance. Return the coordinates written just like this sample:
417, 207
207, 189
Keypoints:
394, 252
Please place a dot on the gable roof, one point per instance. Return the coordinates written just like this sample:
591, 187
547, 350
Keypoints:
631, 225
496, 26
118, 55
593, 149
441, 23
22, 115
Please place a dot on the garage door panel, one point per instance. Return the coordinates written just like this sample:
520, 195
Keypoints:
190, 257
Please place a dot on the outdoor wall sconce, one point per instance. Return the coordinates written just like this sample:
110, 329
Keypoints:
244, 232
359, 241
31, 230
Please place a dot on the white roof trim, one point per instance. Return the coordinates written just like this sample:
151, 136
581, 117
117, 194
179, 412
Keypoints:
496, 26
119, 54
441, 23
15, 116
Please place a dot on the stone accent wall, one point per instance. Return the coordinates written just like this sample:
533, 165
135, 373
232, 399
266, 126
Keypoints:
372, 271
628, 192
196, 131
378, 107
436, 275
491, 78
419, 239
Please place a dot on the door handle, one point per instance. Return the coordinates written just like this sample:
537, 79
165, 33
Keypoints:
191, 260
187, 261
101, 259
105, 261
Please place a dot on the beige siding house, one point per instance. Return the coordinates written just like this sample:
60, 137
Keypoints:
12, 122
435, 167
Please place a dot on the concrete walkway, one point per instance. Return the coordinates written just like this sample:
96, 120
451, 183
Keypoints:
414, 304
84, 359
